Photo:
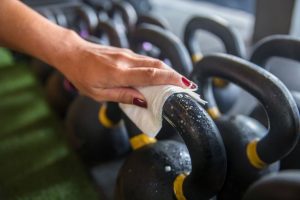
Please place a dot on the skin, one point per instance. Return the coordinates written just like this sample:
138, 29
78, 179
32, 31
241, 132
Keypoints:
100, 72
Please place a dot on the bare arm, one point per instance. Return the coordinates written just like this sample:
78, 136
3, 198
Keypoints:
103, 73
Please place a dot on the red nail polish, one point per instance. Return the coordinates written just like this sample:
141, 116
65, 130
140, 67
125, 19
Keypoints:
139, 102
185, 81
194, 86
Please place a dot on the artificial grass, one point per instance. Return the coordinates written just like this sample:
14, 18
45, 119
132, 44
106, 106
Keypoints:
6, 57
35, 160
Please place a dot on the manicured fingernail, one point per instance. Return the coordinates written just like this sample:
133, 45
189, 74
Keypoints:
139, 102
186, 82
193, 86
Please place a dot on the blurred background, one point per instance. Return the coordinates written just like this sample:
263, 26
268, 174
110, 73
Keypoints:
57, 144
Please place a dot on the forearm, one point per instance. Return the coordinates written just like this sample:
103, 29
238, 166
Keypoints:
102, 73
24, 30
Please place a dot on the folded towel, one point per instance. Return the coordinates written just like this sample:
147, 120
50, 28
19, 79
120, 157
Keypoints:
150, 120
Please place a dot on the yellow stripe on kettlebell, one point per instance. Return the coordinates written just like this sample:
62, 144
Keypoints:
197, 57
220, 83
214, 112
103, 119
178, 187
141, 140
253, 156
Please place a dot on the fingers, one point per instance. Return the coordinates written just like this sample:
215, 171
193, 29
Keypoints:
121, 95
154, 76
137, 60
150, 62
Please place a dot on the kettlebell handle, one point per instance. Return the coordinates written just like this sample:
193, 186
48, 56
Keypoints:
279, 104
89, 15
60, 17
115, 37
154, 20
171, 47
128, 13
203, 142
217, 26
276, 45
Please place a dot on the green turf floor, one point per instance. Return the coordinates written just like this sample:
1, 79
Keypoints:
5, 57
35, 160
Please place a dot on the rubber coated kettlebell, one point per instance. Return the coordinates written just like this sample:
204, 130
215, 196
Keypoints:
225, 94
171, 48
60, 17
95, 132
154, 20
148, 48
124, 16
284, 185
48, 14
166, 169
93, 27
60, 93
99, 5
141, 6
41, 70
169, 45
85, 20
109, 34
285, 47
252, 151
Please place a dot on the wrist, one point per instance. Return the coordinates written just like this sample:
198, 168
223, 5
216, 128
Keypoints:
64, 49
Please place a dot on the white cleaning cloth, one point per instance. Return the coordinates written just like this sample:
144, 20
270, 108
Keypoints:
149, 120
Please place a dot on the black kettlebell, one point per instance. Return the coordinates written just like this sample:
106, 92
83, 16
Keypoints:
48, 14
286, 47
60, 17
252, 150
284, 185
169, 45
154, 20
171, 48
41, 70
123, 15
99, 5
169, 169
85, 20
60, 93
225, 94
141, 6
101, 8
109, 34
95, 132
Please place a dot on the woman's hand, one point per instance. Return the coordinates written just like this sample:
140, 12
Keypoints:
109, 74
102, 73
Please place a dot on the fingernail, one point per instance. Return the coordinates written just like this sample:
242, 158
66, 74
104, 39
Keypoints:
139, 102
193, 86
186, 82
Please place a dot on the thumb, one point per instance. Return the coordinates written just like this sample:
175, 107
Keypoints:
124, 95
